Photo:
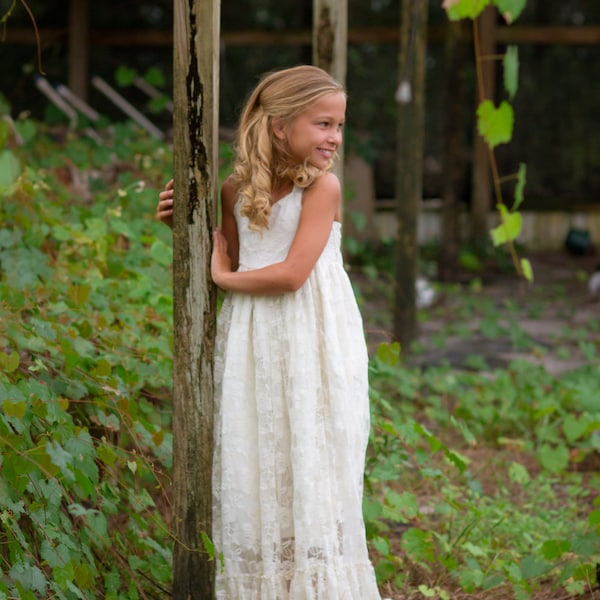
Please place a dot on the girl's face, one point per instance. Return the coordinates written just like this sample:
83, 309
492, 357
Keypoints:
316, 133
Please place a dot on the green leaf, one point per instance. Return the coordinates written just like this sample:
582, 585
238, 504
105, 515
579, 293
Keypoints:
208, 544
521, 179
9, 362
15, 409
10, 168
125, 76
154, 77
554, 459
461, 9
79, 294
594, 518
509, 229
59, 456
161, 253
574, 428
553, 549
382, 545
427, 592
511, 70
389, 354
532, 567
519, 473
107, 455
495, 125
510, 9
418, 544
527, 269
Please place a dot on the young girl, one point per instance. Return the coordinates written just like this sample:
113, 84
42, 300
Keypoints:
291, 389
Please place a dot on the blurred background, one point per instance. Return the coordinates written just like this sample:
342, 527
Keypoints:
557, 107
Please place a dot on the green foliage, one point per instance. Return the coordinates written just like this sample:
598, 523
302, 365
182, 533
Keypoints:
495, 124
475, 522
85, 367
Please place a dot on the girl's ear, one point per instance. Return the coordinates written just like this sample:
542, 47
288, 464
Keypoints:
278, 126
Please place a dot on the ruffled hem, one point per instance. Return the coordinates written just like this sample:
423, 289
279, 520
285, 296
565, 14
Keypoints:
321, 582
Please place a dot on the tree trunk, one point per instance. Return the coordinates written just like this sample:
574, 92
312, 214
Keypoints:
481, 194
329, 46
195, 87
454, 149
409, 166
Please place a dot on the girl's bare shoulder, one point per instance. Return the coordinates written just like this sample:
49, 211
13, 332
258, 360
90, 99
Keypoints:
328, 184
325, 189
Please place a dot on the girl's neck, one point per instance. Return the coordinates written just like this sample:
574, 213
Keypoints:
280, 188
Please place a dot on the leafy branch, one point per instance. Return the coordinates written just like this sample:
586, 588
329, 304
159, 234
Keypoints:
495, 123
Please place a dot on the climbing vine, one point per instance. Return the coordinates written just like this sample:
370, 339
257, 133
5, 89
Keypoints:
495, 122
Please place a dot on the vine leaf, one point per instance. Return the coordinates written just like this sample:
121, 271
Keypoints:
461, 9
511, 70
521, 179
527, 269
510, 9
495, 125
509, 229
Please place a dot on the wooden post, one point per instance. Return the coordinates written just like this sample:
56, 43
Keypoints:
79, 47
454, 148
481, 191
196, 92
329, 46
409, 168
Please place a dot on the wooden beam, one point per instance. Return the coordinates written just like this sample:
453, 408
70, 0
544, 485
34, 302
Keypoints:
196, 93
583, 35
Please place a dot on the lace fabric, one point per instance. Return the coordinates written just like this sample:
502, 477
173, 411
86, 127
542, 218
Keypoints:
292, 424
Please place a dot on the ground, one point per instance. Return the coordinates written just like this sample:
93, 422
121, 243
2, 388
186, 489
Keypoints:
470, 328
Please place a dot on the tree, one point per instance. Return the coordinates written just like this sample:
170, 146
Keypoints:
195, 86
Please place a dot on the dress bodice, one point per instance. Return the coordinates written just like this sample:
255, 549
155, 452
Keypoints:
262, 248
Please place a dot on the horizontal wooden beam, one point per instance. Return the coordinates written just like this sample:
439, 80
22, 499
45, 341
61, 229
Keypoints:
514, 34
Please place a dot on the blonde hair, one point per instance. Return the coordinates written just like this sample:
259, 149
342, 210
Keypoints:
261, 157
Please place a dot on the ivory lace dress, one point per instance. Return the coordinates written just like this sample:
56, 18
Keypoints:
292, 422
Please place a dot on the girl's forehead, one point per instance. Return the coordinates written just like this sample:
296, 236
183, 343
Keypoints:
334, 104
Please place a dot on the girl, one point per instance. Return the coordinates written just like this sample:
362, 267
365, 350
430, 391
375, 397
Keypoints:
291, 389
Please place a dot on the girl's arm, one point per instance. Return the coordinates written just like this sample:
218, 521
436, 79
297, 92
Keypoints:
320, 205
164, 212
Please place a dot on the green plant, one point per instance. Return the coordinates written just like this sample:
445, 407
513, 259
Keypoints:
495, 123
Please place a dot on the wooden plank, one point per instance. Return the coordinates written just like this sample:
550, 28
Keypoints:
196, 93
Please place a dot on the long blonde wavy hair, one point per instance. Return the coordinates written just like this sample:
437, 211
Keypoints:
261, 157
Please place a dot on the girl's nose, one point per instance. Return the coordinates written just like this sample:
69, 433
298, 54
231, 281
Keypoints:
336, 136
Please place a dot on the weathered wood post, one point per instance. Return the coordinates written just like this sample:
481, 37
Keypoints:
195, 87
454, 148
329, 46
409, 164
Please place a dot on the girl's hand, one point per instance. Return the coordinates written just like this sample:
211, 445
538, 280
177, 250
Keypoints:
220, 263
164, 209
